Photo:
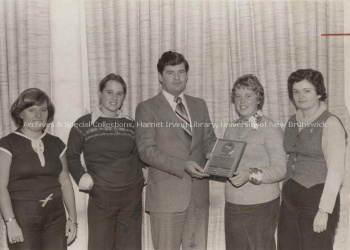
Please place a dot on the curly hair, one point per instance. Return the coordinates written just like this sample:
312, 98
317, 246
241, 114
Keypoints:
312, 76
251, 82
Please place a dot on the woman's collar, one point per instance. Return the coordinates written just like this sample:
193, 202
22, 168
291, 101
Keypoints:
98, 113
20, 133
255, 119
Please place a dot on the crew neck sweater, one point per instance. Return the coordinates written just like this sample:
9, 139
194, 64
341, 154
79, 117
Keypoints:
264, 150
109, 149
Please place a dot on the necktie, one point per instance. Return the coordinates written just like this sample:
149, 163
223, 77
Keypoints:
181, 113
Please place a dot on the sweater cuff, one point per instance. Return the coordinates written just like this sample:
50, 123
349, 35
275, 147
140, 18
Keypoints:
255, 176
86, 182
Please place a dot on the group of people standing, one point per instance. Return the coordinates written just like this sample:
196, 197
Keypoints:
35, 185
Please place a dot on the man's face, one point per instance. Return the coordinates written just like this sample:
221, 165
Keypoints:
174, 79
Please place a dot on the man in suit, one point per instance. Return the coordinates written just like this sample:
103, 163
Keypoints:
173, 137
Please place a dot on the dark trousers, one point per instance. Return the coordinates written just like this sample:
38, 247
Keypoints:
43, 228
115, 218
251, 227
298, 210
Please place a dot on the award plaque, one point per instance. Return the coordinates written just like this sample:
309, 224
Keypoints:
225, 157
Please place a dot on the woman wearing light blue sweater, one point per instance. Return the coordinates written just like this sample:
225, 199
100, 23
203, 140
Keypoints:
252, 195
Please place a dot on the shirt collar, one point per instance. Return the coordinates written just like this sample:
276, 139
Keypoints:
170, 97
97, 113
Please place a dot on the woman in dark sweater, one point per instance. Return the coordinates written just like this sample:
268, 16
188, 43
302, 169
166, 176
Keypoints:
113, 174
34, 178
315, 141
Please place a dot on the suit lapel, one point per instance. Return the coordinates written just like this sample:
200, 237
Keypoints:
168, 115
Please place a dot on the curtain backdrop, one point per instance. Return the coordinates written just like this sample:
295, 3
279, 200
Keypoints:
221, 40
24, 58
24, 52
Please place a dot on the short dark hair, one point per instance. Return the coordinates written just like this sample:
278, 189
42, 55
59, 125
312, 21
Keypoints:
171, 58
251, 82
312, 76
29, 98
112, 77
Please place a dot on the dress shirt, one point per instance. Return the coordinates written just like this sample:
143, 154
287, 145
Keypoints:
173, 104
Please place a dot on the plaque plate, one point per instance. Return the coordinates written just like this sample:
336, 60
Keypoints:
225, 157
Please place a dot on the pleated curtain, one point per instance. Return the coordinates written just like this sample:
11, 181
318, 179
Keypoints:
222, 40
24, 52
24, 58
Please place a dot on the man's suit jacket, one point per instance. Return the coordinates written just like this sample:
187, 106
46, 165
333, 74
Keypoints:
166, 149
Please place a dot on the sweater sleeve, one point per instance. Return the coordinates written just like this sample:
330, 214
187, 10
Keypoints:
74, 149
333, 146
276, 171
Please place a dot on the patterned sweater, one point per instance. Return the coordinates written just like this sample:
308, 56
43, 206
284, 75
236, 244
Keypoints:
109, 149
